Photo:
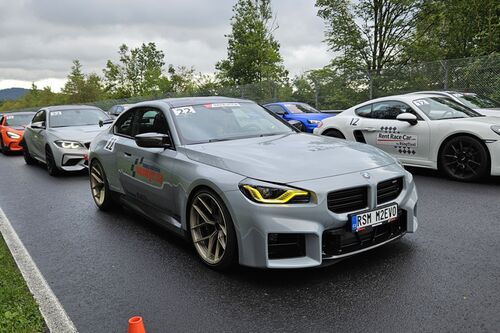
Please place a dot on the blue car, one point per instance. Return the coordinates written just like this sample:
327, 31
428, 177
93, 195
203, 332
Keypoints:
302, 112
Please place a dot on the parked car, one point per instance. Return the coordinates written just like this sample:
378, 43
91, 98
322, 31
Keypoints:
306, 114
12, 130
243, 186
425, 130
482, 104
115, 110
60, 136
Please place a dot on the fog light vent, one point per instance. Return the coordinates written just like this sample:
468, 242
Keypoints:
281, 246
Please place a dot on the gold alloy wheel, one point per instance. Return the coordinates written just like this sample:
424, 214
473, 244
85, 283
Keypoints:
97, 184
208, 228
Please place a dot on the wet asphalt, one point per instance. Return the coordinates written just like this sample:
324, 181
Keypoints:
107, 267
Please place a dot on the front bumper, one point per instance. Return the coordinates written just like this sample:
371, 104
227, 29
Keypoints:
70, 159
494, 149
312, 225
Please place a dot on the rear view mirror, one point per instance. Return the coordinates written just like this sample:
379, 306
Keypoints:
38, 125
408, 117
297, 125
153, 140
105, 121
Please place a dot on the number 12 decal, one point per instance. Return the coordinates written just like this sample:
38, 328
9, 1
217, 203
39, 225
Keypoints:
354, 122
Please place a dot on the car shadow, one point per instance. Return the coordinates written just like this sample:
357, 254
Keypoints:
430, 173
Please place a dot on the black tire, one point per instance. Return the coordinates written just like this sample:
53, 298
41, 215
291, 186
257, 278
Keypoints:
27, 156
464, 158
3, 148
52, 168
230, 256
102, 195
334, 134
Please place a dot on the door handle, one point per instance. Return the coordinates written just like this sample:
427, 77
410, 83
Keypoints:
369, 129
127, 154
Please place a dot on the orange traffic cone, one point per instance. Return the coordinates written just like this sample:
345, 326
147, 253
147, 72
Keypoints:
135, 325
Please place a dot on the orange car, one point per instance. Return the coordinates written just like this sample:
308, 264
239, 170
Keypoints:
12, 130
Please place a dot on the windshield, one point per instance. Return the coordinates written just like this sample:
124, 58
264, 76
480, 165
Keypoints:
475, 101
437, 108
76, 117
18, 119
225, 121
300, 108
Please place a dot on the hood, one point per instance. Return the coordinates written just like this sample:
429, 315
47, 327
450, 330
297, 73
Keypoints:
289, 158
16, 128
312, 116
481, 120
78, 133
493, 112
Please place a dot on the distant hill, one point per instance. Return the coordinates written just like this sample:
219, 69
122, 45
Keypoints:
12, 93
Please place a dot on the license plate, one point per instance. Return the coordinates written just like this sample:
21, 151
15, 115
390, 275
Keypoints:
374, 217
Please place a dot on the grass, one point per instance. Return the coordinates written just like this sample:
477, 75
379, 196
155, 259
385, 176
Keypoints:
18, 309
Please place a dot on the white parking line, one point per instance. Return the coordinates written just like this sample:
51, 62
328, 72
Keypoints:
56, 318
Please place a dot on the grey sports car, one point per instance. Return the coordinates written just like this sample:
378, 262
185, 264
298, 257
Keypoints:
246, 187
60, 136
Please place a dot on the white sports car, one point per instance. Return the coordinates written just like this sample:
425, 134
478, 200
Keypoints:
424, 130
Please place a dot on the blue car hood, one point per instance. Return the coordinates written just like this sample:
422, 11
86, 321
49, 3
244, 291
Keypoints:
289, 158
311, 116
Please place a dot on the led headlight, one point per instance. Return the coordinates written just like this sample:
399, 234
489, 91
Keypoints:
273, 194
312, 121
68, 144
13, 135
496, 129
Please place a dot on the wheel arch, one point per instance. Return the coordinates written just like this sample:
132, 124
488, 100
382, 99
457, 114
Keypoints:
454, 135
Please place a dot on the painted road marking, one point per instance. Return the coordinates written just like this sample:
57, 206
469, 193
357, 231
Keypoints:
56, 318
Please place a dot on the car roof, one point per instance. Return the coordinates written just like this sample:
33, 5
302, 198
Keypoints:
70, 107
183, 101
405, 97
16, 113
283, 103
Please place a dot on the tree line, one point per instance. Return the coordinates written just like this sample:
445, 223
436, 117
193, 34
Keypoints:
368, 38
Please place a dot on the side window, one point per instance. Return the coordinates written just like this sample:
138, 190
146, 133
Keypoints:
364, 111
150, 120
1, 119
39, 116
276, 109
389, 109
124, 124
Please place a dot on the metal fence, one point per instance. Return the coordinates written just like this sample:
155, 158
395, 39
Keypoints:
334, 90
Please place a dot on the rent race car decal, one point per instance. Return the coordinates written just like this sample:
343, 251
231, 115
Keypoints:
402, 143
147, 173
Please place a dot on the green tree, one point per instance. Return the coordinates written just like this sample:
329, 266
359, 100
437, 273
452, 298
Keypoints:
81, 88
369, 34
138, 72
253, 54
457, 29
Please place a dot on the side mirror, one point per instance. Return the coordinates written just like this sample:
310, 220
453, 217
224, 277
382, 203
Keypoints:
105, 121
38, 125
297, 125
408, 117
153, 140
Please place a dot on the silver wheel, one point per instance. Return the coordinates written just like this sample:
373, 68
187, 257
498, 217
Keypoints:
97, 184
208, 228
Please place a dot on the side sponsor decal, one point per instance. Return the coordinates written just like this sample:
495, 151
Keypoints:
402, 143
147, 173
55, 113
110, 144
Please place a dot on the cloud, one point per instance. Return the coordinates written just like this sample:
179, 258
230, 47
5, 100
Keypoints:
40, 38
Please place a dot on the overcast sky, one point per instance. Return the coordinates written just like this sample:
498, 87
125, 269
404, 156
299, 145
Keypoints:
39, 38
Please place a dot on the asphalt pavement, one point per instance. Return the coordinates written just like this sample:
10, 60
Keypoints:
106, 267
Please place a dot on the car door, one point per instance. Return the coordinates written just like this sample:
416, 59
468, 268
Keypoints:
380, 128
35, 137
147, 173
